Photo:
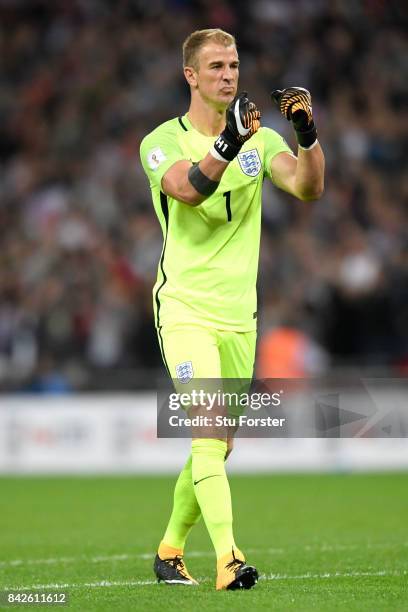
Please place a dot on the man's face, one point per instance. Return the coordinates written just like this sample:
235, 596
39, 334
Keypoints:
217, 74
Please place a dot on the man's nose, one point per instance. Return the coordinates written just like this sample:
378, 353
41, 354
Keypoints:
228, 74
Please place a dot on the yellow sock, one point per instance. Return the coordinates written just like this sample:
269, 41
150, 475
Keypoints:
213, 492
186, 511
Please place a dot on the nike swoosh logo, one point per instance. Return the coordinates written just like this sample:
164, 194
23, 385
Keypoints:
205, 478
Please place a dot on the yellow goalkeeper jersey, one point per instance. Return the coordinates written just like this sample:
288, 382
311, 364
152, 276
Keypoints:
208, 267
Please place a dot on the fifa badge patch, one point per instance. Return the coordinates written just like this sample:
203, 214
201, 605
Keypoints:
250, 162
184, 371
155, 157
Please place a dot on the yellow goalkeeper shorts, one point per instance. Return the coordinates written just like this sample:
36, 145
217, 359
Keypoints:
194, 351
202, 358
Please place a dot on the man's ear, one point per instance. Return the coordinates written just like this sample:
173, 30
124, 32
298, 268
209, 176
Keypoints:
191, 76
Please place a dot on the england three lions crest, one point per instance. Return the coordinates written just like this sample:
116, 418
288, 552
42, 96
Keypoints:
185, 372
250, 162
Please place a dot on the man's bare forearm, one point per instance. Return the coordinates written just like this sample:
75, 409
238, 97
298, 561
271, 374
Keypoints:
309, 182
176, 181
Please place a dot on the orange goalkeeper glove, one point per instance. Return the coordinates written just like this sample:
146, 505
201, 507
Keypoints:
295, 103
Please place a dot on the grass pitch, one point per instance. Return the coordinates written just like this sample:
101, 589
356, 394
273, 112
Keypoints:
321, 542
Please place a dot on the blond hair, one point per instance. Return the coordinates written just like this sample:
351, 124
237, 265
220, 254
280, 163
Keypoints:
198, 39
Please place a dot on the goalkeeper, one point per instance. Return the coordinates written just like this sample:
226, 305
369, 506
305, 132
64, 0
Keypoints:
206, 170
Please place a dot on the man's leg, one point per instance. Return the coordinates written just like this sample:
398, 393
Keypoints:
186, 511
213, 492
237, 355
169, 565
200, 346
182, 344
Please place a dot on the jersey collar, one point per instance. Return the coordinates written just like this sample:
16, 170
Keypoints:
187, 123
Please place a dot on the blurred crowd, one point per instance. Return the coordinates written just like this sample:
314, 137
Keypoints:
82, 82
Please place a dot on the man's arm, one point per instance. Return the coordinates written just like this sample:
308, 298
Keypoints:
193, 183
302, 176
176, 183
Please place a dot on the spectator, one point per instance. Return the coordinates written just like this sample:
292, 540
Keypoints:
79, 90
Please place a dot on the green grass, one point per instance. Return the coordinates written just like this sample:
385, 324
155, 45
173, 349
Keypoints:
322, 542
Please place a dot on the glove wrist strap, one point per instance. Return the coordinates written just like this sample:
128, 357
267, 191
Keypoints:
306, 137
311, 146
224, 147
